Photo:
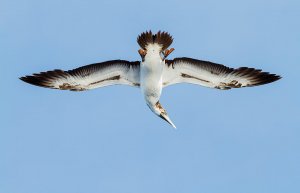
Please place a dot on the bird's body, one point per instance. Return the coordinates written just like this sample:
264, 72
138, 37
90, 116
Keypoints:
151, 71
152, 74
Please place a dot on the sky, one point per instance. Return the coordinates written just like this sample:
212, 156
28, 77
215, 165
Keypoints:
107, 140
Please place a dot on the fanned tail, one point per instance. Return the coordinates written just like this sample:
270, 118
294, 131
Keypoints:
162, 38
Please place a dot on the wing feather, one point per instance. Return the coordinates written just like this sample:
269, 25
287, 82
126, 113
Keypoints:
89, 76
209, 74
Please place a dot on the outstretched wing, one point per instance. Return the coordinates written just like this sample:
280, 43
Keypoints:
188, 70
89, 77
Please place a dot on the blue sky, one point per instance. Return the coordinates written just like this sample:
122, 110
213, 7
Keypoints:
107, 140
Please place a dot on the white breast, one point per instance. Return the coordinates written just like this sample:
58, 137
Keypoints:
151, 74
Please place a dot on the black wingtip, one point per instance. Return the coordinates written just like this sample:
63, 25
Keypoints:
34, 80
266, 78
43, 79
26, 79
256, 76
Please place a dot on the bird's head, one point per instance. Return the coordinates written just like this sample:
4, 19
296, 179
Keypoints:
155, 44
161, 112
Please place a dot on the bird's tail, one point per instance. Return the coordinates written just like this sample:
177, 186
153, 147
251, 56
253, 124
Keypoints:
162, 38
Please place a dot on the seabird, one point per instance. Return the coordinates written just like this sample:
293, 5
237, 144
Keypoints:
152, 73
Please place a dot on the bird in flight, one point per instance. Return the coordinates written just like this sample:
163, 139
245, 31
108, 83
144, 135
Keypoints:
152, 73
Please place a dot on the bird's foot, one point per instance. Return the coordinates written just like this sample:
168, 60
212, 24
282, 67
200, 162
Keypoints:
142, 52
168, 52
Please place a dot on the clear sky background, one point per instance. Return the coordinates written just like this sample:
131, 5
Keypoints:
107, 140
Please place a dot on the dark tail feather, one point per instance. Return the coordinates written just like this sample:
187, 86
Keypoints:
162, 38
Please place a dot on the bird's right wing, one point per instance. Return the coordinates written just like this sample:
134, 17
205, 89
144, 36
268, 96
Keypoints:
89, 77
188, 70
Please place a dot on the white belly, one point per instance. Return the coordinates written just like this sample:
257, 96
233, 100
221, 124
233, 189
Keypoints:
151, 80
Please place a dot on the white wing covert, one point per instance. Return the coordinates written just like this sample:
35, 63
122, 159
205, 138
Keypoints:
89, 77
208, 74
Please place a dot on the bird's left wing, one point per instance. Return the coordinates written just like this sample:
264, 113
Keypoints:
208, 74
89, 77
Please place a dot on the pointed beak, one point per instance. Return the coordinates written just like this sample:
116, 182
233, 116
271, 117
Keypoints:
166, 118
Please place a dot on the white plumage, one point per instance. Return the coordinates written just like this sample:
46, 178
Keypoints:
152, 74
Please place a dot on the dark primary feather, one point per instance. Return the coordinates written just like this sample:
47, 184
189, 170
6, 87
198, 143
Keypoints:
217, 75
71, 79
44, 79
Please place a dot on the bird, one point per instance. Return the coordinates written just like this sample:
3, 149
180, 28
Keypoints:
152, 73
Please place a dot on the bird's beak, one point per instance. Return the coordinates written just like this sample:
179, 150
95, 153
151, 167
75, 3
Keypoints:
166, 118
